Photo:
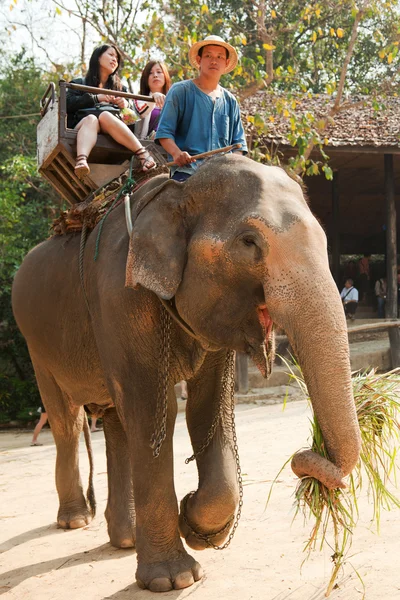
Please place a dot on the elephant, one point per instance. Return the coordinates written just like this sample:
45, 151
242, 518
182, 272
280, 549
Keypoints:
232, 252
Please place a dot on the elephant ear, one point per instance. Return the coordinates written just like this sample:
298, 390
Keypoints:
157, 248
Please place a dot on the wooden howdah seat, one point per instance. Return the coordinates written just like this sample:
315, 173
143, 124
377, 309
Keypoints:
56, 147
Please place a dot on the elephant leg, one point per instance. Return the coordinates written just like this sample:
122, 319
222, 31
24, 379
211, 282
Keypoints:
210, 511
163, 563
66, 421
120, 511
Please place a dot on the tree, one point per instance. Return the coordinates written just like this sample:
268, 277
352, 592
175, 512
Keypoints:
330, 47
291, 48
26, 205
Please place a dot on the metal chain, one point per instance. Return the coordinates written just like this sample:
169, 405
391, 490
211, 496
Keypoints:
82, 245
219, 409
227, 391
160, 430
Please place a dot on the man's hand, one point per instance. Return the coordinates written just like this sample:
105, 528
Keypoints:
179, 157
183, 158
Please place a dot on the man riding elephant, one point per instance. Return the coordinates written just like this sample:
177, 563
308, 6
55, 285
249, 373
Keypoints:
199, 115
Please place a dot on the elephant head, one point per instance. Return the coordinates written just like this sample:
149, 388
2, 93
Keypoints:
239, 250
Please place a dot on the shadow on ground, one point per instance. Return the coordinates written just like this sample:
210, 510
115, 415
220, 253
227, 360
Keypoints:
14, 577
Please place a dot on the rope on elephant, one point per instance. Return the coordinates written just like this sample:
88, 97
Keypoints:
80, 263
127, 188
94, 208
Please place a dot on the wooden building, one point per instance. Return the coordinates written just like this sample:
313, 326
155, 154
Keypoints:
358, 207
364, 150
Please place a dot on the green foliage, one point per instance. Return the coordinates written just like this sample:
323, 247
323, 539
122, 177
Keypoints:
19, 400
294, 46
288, 46
24, 221
21, 87
26, 205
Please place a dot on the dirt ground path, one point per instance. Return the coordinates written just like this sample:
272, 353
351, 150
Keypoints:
40, 562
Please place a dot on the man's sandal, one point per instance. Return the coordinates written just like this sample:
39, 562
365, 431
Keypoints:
81, 168
146, 159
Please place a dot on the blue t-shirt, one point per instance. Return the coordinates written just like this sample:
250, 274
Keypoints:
198, 124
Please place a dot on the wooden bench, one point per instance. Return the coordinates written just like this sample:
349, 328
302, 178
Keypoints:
56, 148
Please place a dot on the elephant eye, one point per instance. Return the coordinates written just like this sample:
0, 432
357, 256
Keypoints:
248, 241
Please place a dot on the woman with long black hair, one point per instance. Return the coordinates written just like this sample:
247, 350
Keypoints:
155, 81
103, 73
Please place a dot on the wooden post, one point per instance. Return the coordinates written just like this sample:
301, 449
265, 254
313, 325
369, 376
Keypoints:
391, 259
242, 372
335, 229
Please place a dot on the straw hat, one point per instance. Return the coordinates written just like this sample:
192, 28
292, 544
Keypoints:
214, 40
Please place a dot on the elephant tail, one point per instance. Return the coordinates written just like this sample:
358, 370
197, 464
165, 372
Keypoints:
90, 491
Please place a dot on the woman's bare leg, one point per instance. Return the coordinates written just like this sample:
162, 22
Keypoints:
118, 131
184, 390
88, 130
123, 135
93, 425
38, 428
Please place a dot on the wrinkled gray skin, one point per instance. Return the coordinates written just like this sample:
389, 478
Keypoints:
235, 244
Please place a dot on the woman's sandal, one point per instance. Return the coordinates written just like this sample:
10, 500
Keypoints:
148, 162
81, 168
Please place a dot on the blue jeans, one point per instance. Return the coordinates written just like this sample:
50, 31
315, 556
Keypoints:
180, 176
381, 307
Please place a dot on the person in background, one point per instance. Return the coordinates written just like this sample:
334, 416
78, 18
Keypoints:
156, 82
349, 296
103, 73
41, 423
199, 115
93, 427
380, 293
184, 390
351, 271
364, 276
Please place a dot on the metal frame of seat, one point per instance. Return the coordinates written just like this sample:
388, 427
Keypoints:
57, 146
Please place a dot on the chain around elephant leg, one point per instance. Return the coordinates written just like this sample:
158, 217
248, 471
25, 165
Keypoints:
160, 429
227, 395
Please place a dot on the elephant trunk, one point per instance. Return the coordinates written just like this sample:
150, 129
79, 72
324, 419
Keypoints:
317, 330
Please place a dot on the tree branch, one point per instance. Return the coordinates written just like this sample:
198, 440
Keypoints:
346, 63
251, 89
323, 123
55, 65
265, 35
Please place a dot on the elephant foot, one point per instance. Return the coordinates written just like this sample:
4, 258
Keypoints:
196, 537
73, 518
121, 537
121, 530
169, 575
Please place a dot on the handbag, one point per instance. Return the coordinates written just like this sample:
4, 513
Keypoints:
97, 110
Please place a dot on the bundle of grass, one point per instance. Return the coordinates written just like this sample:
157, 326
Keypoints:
335, 512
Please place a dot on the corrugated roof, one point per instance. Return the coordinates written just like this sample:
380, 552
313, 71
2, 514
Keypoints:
361, 124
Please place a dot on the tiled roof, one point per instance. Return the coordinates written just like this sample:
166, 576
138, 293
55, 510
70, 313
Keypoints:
361, 124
